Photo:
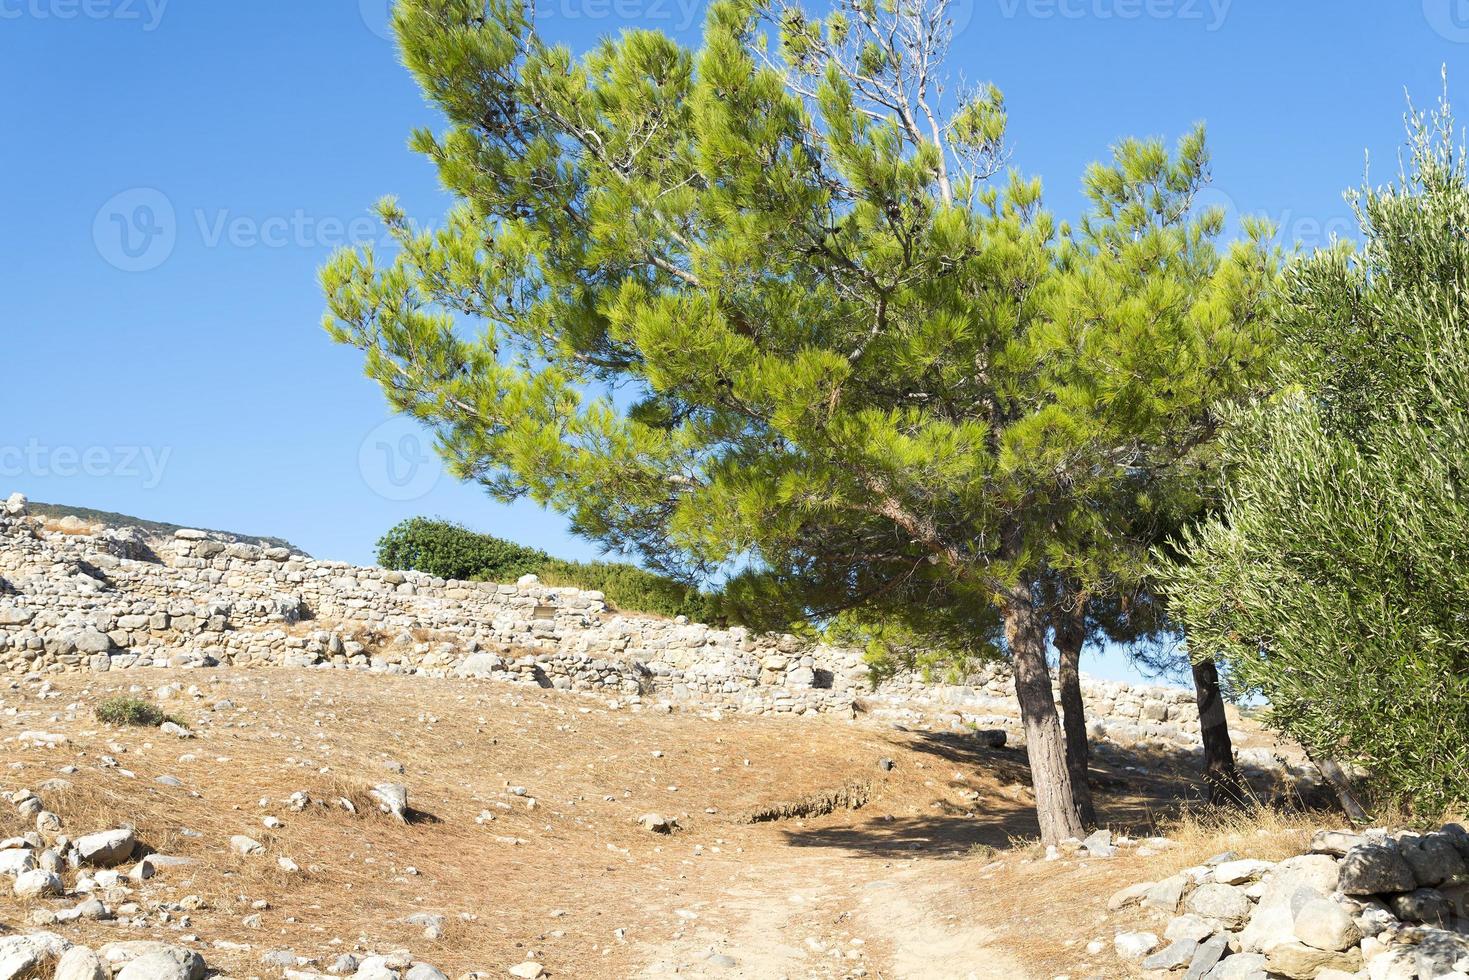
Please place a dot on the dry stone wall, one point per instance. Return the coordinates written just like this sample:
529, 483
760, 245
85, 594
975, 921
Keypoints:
76, 597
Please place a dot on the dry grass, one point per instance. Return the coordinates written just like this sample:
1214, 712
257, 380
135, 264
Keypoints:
1054, 908
462, 745
951, 811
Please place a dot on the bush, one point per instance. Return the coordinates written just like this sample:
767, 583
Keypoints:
132, 711
1333, 582
447, 550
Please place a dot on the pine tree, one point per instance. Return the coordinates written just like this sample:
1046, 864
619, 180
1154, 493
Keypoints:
768, 308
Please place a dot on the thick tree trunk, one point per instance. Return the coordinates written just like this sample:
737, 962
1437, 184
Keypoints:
1025, 634
1070, 631
1220, 776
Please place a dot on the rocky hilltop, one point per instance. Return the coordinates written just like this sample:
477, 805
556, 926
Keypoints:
78, 596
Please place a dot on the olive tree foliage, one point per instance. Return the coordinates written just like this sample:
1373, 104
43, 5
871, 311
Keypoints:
768, 305
1333, 582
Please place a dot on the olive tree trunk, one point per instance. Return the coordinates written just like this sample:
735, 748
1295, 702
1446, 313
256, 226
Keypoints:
1221, 778
1025, 634
1070, 633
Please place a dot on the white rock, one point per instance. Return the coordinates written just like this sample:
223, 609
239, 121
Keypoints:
80, 963
1134, 945
27, 955
106, 848
246, 846
37, 883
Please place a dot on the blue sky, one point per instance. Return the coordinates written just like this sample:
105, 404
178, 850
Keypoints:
175, 171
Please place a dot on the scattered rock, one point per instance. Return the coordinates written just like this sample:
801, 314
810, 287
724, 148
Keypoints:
106, 848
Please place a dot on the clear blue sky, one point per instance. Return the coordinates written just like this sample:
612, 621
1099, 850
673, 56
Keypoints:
175, 171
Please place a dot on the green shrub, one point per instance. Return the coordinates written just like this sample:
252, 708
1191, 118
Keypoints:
132, 711
1333, 584
447, 550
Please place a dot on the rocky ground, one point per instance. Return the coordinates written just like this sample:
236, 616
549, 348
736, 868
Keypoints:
306, 822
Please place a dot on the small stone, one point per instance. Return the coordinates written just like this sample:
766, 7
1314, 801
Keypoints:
1134, 945
246, 846
529, 970
656, 823
1172, 956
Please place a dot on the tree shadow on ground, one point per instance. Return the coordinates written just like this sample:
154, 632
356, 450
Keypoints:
1134, 789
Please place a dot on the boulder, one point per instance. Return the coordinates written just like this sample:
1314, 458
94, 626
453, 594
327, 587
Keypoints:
1207, 956
1376, 868
30, 955
1301, 962
1324, 924
1167, 894
480, 665
37, 883
81, 963
1174, 955
163, 964
1335, 842
16, 505
16, 861
1292, 884
1239, 872
123, 954
1225, 903
1240, 966
106, 848
1433, 858
1440, 952
1421, 905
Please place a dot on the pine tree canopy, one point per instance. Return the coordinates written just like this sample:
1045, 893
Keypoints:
776, 305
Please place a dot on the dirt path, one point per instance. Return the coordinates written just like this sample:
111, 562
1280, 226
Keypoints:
797, 916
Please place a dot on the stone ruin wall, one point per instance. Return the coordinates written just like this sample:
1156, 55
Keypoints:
76, 597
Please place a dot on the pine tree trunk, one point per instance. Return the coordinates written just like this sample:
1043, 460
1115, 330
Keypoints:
1070, 630
1025, 634
1220, 776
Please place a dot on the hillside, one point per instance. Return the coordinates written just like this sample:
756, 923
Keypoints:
159, 528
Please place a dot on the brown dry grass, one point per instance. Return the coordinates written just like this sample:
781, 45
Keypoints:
947, 809
462, 744
1054, 908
